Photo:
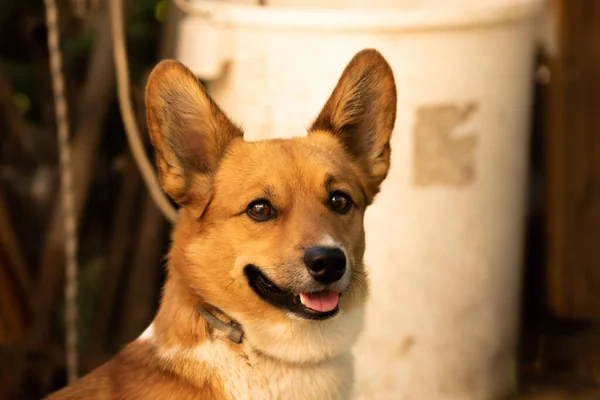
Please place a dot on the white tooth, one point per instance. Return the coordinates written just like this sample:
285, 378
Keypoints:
302, 300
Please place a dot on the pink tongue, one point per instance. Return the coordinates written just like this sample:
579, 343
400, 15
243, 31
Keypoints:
324, 301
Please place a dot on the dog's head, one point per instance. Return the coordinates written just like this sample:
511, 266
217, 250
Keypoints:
271, 232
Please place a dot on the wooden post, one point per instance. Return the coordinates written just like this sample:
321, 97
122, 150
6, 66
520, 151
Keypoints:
573, 163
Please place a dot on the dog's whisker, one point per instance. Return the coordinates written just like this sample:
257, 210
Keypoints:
229, 284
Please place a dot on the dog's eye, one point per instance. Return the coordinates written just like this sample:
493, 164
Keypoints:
260, 210
340, 202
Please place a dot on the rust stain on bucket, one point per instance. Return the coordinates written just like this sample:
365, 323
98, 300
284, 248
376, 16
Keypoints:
441, 155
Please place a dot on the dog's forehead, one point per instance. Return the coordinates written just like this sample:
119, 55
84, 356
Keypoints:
301, 153
299, 162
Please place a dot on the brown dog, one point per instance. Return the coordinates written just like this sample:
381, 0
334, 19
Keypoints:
266, 283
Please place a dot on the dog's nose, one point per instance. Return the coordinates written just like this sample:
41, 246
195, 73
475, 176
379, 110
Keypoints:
325, 264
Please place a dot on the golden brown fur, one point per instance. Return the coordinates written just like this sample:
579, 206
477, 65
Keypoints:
206, 166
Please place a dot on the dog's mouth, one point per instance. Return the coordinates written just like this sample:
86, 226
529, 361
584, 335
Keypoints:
319, 305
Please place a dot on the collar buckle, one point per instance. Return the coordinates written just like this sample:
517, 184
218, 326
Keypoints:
234, 331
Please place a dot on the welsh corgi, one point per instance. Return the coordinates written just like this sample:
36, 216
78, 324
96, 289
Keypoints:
266, 284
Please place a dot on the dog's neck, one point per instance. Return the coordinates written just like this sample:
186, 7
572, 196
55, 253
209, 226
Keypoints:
178, 322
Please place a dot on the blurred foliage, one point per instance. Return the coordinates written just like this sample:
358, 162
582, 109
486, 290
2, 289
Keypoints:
21, 75
23, 39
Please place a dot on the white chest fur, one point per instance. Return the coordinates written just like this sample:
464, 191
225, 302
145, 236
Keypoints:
257, 377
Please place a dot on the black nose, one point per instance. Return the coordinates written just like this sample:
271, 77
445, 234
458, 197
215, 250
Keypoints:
325, 264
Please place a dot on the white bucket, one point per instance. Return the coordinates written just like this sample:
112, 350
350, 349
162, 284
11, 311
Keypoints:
444, 237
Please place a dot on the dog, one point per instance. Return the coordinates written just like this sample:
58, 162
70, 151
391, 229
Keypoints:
266, 285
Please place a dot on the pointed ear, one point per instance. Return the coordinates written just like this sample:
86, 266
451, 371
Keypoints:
361, 113
188, 130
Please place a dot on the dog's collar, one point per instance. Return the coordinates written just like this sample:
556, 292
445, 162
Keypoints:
234, 331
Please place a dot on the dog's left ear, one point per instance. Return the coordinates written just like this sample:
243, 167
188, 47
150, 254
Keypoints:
361, 112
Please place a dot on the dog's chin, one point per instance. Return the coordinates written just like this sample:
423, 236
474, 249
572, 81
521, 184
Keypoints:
300, 340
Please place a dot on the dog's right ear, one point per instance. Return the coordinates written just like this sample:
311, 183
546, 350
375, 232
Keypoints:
188, 130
